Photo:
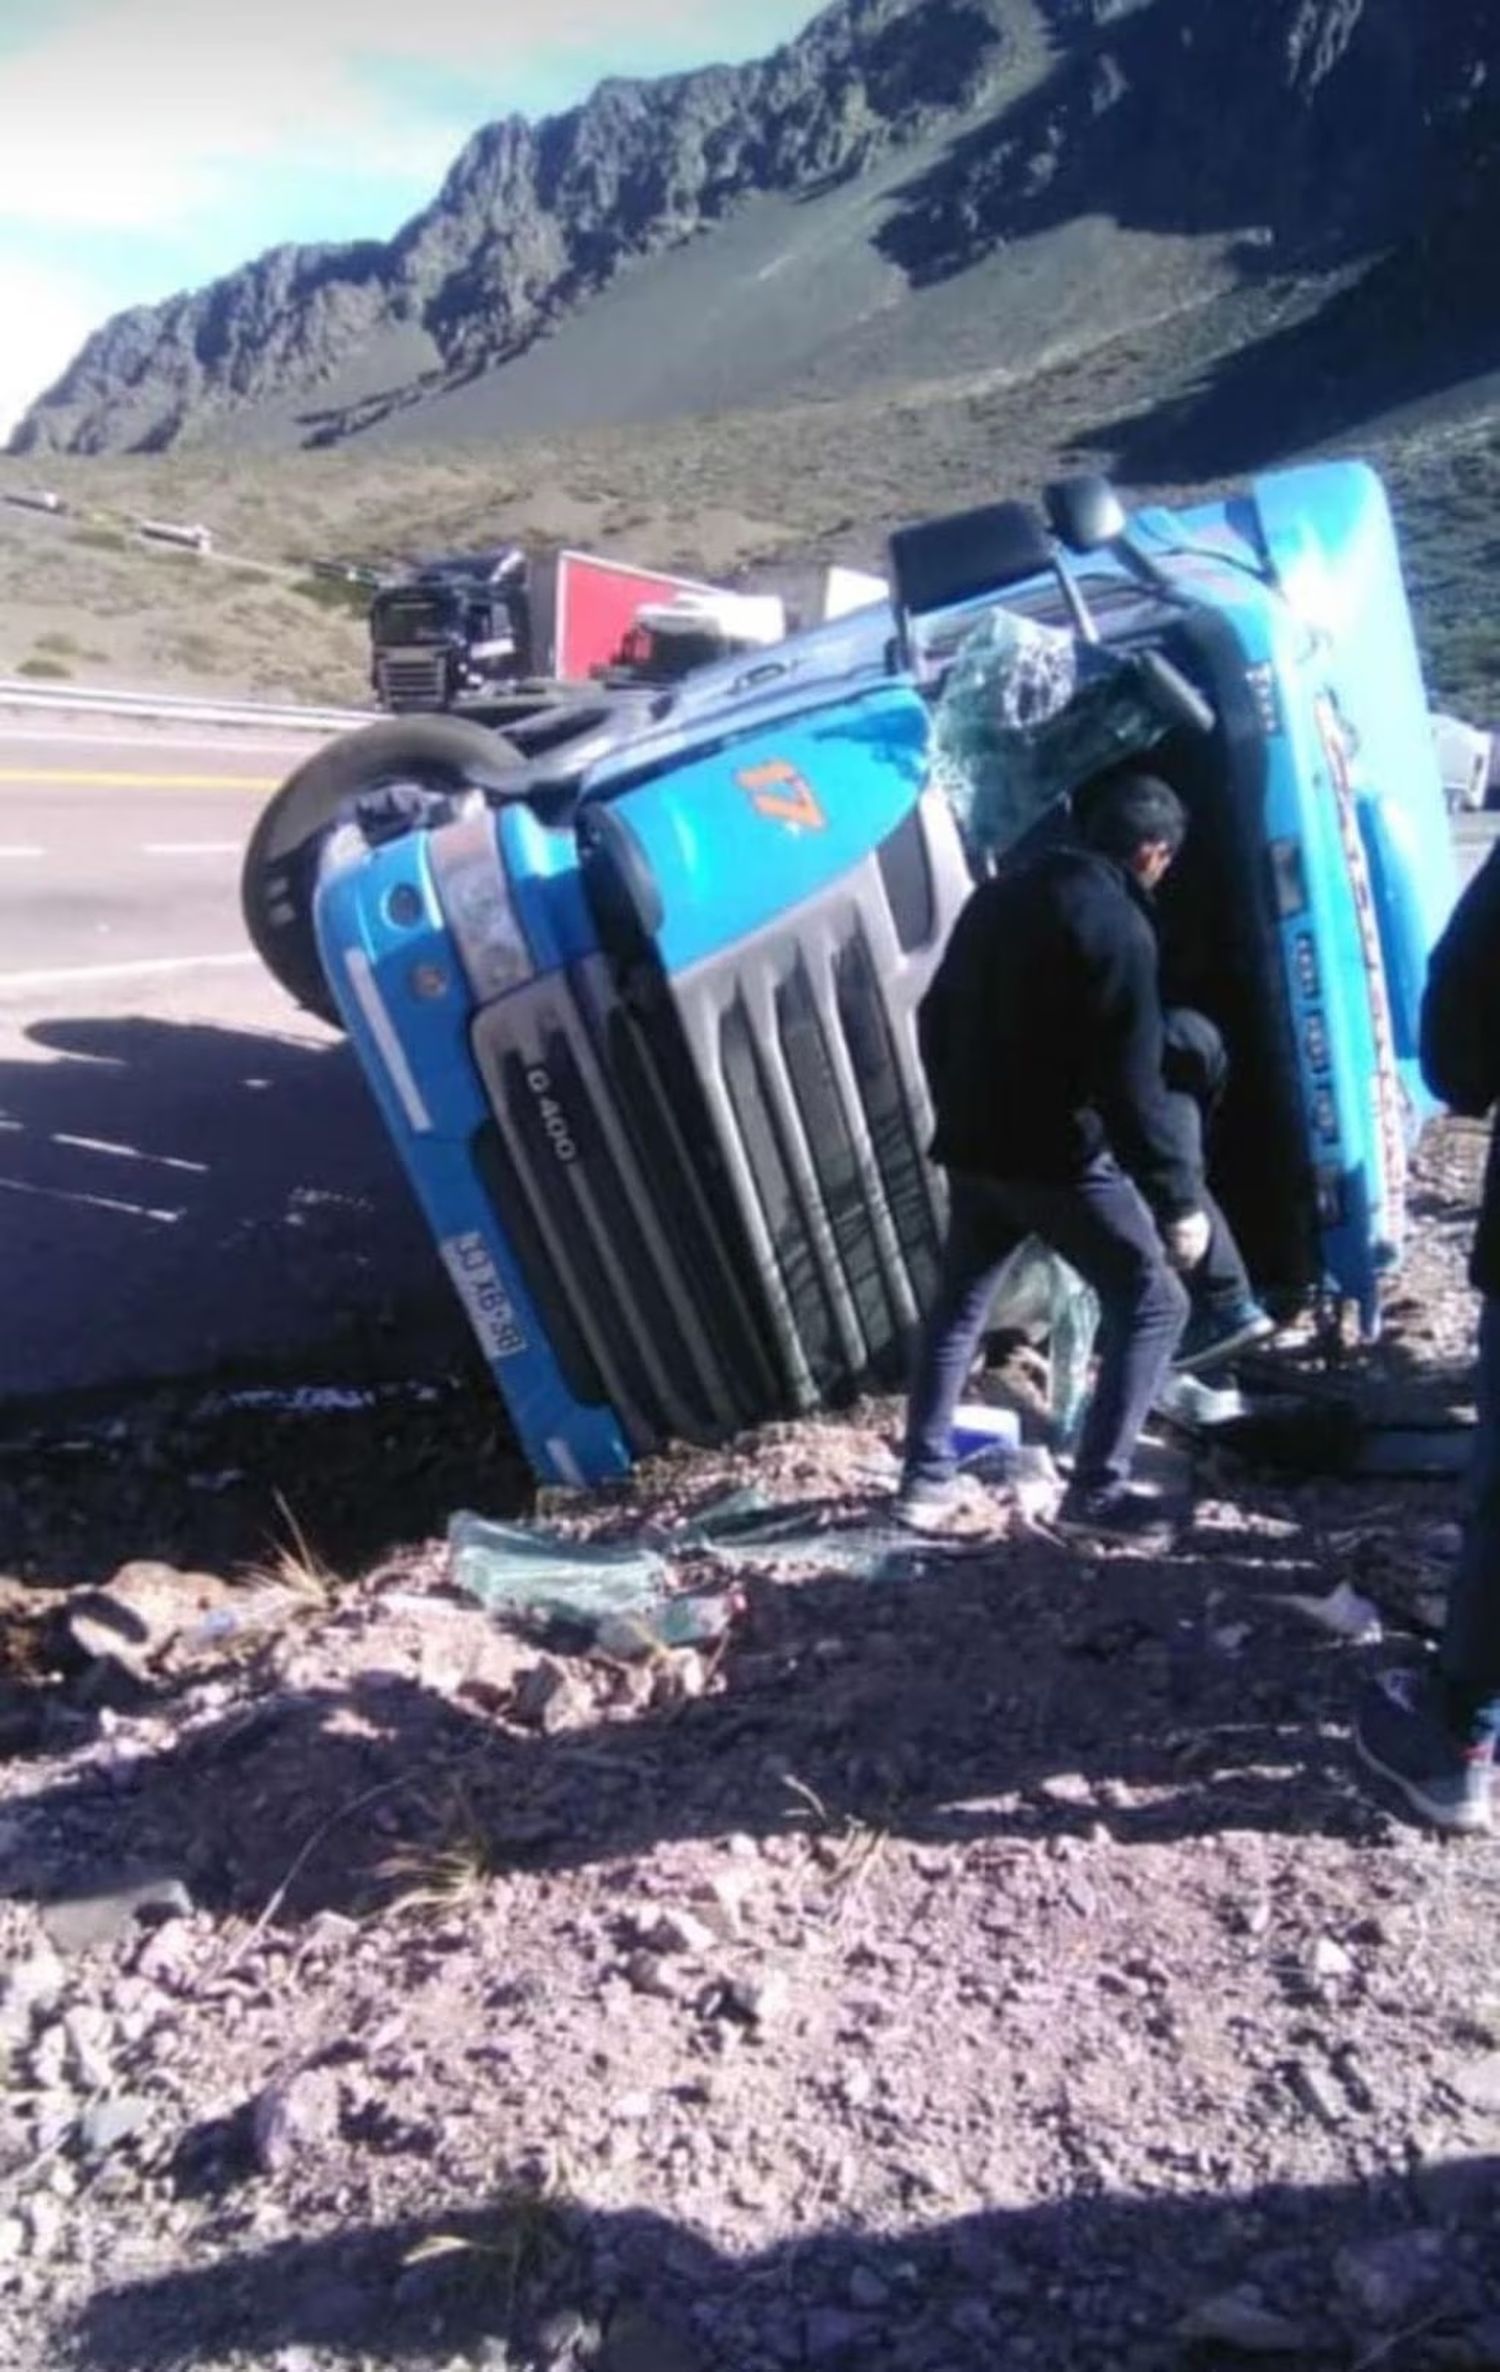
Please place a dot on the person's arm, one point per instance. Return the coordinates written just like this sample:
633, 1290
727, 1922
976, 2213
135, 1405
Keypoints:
934, 1034
1130, 1093
1461, 1005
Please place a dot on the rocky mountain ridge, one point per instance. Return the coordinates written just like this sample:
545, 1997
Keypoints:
1356, 125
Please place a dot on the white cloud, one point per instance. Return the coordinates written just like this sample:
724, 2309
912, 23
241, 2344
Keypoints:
44, 318
141, 111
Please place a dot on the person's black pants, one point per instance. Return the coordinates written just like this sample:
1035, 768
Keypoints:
1196, 1069
1100, 1224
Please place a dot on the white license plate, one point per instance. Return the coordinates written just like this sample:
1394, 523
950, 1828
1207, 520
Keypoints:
491, 1312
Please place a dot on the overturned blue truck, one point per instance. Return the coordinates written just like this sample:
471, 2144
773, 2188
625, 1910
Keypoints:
636, 988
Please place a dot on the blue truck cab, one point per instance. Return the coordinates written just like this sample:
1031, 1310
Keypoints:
639, 1008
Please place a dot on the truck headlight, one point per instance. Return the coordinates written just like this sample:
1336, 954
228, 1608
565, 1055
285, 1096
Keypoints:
480, 911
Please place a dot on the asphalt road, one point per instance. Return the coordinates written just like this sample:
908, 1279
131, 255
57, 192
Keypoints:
191, 1172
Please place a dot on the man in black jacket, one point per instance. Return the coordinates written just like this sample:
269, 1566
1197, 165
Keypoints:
1434, 1734
1042, 1038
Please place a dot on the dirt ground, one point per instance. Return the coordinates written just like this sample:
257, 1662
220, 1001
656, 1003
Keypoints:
996, 1964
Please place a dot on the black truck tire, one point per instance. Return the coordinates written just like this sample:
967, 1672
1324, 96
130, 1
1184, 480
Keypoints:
280, 871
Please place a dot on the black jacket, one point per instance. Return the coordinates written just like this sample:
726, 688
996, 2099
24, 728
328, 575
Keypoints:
1041, 1033
1461, 1038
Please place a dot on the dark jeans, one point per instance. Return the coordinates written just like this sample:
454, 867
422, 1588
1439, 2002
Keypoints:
1102, 1227
1196, 1069
1220, 1281
1469, 1659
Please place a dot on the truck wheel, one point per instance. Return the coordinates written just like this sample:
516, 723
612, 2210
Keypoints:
280, 870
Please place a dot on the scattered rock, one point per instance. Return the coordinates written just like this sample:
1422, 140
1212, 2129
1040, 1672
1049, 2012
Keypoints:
760, 1999
464, 1654
54, 2115
677, 1931
1387, 2280
143, 1610
1344, 1613
649, 1973
43, 2217
1236, 2318
106, 2125
31, 1986
1477, 2083
1316, 2092
85, 1921
679, 1679
169, 1956
554, 1698
87, 2033
1330, 1961
12, 2239
721, 1904
294, 2118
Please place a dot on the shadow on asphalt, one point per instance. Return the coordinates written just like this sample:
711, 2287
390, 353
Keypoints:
177, 1196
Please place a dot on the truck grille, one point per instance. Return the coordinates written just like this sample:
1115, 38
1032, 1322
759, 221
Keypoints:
412, 679
715, 1184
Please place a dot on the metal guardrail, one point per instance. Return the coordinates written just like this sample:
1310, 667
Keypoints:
79, 700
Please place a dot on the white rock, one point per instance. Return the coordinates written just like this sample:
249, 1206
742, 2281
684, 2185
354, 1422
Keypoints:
33, 1984
1330, 1960
44, 2223
1344, 1613
297, 2115
49, 2058
87, 2032
678, 1931
721, 1903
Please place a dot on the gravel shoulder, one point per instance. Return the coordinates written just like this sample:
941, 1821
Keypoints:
998, 1964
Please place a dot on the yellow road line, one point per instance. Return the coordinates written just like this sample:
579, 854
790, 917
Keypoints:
98, 781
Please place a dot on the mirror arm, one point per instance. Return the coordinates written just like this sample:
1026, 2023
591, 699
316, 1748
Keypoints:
1145, 570
1084, 625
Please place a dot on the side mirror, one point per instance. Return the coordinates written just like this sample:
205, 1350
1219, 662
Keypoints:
1172, 695
1085, 513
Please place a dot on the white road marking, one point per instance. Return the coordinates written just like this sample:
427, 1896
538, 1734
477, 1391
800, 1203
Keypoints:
17, 850
192, 848
92, 1202
226, 742
79, 974
166, 1161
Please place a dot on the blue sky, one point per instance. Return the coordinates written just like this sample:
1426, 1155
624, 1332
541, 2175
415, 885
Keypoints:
148, 145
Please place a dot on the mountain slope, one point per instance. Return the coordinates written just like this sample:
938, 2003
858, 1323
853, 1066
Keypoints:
533, 219
741, 235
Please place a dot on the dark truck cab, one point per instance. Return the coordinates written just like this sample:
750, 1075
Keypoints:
456, 628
